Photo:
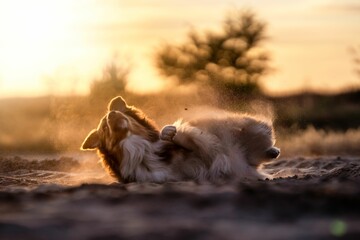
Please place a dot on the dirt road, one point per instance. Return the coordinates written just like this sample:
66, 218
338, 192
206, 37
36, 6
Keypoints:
310, 198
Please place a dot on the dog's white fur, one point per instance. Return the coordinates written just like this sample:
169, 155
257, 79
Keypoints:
140, 161
215, 149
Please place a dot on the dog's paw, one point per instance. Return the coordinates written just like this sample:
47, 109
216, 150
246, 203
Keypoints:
167, 133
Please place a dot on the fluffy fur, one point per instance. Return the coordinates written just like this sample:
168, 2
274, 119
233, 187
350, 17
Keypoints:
215, 149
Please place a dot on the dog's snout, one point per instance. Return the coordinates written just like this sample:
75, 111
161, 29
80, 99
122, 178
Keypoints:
111, 114
273, 152
114, 116
116, 121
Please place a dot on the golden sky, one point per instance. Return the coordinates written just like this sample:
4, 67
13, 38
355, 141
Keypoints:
59, 47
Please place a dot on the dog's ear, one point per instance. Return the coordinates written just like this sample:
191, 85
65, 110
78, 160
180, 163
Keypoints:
92, 141
118, 104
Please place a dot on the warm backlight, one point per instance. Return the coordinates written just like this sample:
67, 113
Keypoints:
33, 34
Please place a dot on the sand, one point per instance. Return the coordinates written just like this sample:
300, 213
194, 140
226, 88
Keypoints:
71, 198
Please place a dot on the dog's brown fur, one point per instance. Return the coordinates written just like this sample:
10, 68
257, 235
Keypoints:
215, 149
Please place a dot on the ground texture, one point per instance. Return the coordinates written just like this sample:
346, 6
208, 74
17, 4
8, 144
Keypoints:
63, 198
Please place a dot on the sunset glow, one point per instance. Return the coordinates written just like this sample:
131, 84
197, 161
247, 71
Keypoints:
59, 47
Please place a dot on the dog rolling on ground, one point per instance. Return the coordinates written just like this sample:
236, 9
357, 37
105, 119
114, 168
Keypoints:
213, 149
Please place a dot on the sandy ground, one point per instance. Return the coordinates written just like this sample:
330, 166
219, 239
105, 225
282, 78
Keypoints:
69, 198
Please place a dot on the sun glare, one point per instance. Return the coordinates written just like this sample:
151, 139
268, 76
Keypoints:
48, 47
31, 33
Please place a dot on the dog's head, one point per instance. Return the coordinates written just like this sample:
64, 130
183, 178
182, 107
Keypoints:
120, 122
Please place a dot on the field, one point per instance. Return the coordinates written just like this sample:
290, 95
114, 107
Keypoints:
51, 190
312, 198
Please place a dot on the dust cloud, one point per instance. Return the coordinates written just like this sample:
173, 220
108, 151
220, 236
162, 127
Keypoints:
316, 142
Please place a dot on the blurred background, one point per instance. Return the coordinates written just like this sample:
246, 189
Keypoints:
297, 63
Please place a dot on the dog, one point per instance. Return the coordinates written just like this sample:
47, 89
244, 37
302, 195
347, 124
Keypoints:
213, 149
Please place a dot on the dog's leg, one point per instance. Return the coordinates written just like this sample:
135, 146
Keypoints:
167, 133
180, 138
170, 133
205, 145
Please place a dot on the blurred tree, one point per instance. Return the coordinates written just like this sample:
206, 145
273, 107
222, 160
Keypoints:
112, 82
356, 59
231, 61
